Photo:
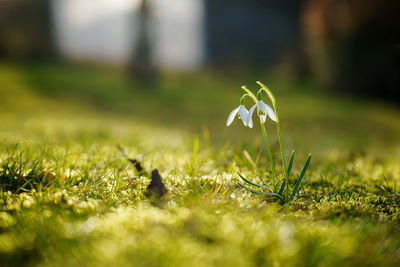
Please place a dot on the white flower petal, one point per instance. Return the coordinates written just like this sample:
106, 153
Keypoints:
264, 110
270, 112
249, 123
243, 114
261, 110
249, 120
260, 107
243, 111
231, 116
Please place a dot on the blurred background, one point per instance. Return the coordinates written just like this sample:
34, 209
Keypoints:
333, 64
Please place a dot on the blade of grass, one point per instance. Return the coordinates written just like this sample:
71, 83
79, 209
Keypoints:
289, 170
303, 172
249, 159
260, 193
250, 182
251, 190
195, 150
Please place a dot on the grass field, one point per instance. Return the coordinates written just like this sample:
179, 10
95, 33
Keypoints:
69, 198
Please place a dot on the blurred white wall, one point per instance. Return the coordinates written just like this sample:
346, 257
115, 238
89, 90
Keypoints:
105, 31
179, 33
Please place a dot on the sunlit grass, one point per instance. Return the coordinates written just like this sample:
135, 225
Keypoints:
70, 198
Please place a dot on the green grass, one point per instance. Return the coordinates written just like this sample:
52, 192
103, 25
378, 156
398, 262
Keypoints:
69, 198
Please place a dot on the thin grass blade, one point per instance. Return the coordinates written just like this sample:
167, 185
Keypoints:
289, 170
260, 193
273, 195
195, 150
251, 190
250, 182
298, 183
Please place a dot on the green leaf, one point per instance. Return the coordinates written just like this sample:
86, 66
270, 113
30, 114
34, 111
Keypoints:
303, 172
273, 195
289, 169
260, 193
251, 190
250, 182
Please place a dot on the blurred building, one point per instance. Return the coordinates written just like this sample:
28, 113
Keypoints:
104, 30
253, 32
185, 34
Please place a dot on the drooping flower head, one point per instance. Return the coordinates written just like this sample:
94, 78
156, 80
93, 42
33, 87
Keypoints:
243, 114
263, 110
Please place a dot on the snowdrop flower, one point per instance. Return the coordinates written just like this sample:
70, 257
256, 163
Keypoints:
263, 110
243, 113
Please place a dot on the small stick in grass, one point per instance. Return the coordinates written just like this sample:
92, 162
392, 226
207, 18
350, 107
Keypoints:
135, 162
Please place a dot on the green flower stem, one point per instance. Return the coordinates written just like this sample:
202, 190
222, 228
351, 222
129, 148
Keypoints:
242, 99
271, 162
268, 92
278, 129
250, 93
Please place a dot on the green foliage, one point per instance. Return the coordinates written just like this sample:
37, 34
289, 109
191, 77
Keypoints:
288, 172
298, 182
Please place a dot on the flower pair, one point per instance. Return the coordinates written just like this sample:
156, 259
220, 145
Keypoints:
263, 110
